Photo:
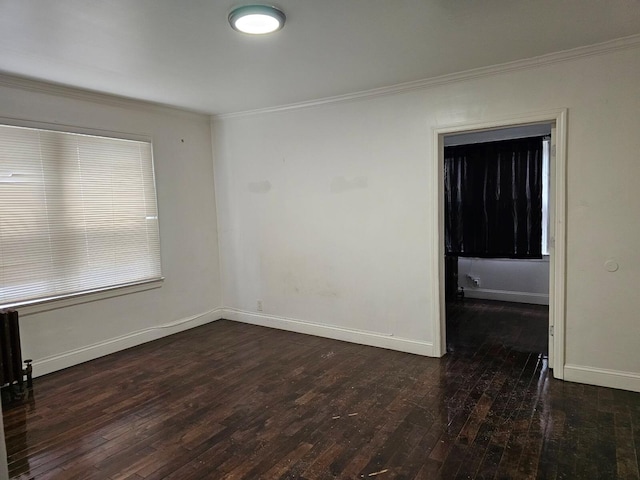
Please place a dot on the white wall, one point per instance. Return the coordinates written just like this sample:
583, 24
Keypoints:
505, 279
313, 223
325, 215
191, 292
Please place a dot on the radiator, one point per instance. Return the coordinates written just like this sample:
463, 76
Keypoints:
12, 369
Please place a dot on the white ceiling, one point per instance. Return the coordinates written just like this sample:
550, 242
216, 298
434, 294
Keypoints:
183, 52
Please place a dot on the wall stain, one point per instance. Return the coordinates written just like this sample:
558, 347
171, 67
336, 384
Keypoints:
342, 184
259, 187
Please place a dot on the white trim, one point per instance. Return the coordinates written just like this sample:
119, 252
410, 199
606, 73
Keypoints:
557, 210
50, 88
542, 60
37, 306
363, 337
507, 296
4, 464
75, 129
53, 363
436, 182
602, 377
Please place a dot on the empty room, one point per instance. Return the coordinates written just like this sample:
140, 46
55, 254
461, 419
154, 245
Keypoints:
225, 240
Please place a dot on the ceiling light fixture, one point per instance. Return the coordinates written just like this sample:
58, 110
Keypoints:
256, 19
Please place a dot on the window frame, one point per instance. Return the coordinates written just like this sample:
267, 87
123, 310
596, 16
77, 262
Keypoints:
28, 307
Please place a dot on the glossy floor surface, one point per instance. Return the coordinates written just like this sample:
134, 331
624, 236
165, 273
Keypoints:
229, 400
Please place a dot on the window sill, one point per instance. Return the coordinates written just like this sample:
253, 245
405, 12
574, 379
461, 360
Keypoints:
38, 306
544, 259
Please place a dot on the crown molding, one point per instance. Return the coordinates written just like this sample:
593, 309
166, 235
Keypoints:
39, 86
32, 85
624, 43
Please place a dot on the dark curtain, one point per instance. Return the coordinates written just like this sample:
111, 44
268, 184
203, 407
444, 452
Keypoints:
493, 199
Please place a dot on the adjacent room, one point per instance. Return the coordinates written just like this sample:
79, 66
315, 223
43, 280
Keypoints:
496, 236
227, 254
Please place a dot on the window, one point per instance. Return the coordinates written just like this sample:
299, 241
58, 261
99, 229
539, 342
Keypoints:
493, 199
546, 142
78, 214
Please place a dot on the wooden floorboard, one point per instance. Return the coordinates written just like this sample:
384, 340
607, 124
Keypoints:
235, 401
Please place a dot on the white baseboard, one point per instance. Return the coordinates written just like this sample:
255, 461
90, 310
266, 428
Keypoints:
74, 357
602, 377
362, 337
573, 373
507, 296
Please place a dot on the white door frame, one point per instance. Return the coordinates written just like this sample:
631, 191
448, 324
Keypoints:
557, 230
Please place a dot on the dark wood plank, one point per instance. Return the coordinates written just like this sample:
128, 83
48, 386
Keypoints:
235, 401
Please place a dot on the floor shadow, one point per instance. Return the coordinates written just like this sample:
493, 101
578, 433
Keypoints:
473, 324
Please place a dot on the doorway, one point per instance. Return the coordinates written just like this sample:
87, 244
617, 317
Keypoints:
496, 239
556, 121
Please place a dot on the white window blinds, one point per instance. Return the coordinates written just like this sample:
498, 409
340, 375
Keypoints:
78, 213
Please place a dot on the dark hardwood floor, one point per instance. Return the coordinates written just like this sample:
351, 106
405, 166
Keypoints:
472, 324
235, 401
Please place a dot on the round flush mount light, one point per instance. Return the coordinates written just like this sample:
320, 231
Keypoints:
256, 19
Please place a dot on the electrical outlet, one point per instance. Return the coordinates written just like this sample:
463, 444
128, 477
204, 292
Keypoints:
259, 305
473, 281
